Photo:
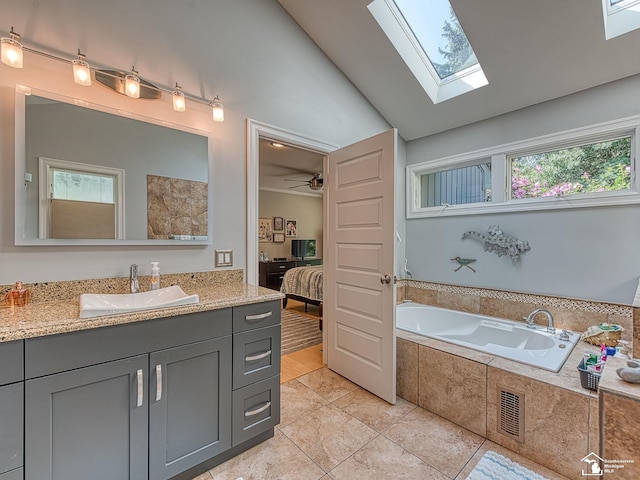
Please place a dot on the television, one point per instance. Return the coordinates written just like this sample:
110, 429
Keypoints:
303, 248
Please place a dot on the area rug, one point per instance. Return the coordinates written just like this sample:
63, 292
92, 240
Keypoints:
299, 331
493, 466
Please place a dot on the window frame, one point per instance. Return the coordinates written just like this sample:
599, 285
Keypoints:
621, 18
45, 167
501, 174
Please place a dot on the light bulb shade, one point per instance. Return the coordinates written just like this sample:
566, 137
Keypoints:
11, 52
218, 110
81, 72
132, 85
179, 104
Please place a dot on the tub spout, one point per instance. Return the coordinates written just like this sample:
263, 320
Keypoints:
532, 315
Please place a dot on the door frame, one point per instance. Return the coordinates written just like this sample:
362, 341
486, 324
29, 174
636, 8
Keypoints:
255, 131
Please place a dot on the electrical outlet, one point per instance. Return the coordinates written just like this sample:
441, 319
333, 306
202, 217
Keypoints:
224, 258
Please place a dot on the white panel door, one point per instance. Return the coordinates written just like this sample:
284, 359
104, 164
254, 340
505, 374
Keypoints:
359, 292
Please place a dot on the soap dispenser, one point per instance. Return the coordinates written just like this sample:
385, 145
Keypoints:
155, 275
18, 296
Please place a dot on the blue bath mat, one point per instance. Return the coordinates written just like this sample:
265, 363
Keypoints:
496, 467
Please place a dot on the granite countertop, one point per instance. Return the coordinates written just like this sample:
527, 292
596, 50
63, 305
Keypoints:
62, 316
610, 382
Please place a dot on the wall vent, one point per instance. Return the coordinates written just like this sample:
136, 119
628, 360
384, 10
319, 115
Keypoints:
511, 414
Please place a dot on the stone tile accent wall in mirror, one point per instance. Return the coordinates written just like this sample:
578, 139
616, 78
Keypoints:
176, 209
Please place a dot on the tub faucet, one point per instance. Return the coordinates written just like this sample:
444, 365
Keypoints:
134, 286
532, 315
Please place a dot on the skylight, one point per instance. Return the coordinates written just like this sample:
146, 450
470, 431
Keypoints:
620, 17
430, 40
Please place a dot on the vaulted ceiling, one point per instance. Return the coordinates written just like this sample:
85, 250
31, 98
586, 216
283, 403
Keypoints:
530, 51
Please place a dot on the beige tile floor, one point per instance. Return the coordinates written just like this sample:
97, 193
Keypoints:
332, 429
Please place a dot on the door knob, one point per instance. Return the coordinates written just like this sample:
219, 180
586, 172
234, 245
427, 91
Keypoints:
385, 279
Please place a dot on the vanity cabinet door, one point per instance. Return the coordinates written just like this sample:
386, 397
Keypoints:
190, 406
96, 417
11, 424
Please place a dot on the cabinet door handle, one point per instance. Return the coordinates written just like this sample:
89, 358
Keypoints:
140, 388
251, 413
260, 356
260, 316
158, 383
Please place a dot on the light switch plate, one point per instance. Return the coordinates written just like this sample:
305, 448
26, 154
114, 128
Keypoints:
224, 258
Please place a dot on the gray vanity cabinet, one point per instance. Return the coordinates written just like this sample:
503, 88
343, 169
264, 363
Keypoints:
256, 370
155, 400
11, 410
95, 417
133, 401
189, 406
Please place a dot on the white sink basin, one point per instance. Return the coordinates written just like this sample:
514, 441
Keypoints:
98, 304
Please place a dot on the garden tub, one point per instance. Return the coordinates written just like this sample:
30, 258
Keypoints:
495, 336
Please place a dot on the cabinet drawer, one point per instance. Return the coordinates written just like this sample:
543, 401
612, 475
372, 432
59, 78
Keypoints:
256, 355
12, 361
280, 267
256, 409
17, 474
58, 353
256, 315
11, 427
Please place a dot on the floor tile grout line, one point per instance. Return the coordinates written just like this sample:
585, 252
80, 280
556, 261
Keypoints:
304, 453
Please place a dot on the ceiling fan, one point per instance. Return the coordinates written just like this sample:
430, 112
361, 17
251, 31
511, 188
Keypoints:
314, 183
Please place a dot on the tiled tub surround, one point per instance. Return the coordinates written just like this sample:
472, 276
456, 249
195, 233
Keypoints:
619, 420
560, 417
465, 386
55, 307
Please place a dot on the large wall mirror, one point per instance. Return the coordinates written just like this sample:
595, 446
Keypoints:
91, 175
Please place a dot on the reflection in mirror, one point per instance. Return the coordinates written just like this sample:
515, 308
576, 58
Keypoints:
97, 175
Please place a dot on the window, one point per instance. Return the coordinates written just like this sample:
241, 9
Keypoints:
430, 40
597, 167
593, 166
471, 184
80, 201
82, 186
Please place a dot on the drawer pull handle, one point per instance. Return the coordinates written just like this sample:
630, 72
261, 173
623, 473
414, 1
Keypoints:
251, 413
282, 266
140, 388
260, 356
260, 316
158, 383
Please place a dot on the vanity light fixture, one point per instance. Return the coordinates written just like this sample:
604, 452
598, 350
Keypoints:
218, 110
132, 84
81, 70
177, 95
129, 84
11, 50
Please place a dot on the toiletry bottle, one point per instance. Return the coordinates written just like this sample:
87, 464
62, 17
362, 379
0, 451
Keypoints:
18, 296
155, 275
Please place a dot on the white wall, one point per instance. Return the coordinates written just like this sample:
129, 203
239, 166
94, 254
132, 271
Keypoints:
583, 253
250, 52
307, 210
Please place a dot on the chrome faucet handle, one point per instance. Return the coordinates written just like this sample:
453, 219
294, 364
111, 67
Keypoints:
564, 336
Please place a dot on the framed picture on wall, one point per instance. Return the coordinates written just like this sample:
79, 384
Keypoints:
265, 230
291, 227
278, 237
278, 225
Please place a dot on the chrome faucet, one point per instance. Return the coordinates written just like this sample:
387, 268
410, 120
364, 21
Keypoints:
134, 286
532, 315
